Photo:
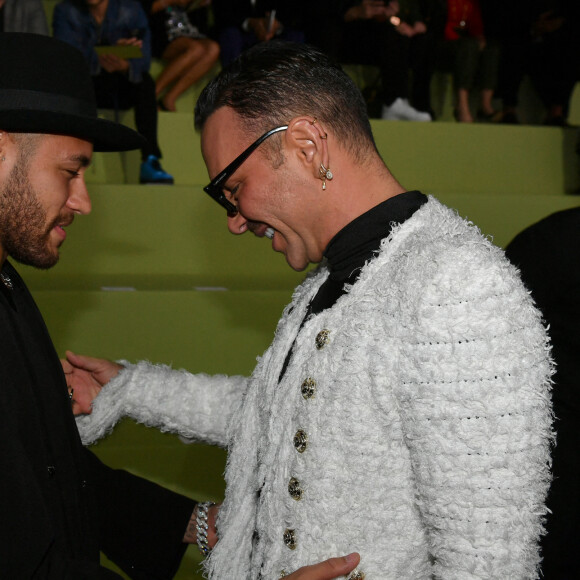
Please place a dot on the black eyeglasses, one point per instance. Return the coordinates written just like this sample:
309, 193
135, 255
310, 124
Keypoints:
215, 186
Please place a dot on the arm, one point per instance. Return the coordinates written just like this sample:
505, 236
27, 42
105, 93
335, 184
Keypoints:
119, 29
195, 406
474, 400
372, 9
141, 524
68, 25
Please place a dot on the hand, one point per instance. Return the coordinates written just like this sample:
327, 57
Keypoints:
102, 369
259, 27
133, 41
112, 63
86, 376
420, 27
190, 536
405, 30
367, 10
83, 388
327, 570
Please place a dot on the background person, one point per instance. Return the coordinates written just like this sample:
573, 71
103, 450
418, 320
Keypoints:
548, 257
120, 83
240, 24
397, 37
402, 409
188, 54
471, 56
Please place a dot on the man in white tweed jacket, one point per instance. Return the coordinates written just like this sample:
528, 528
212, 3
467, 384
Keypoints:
402, 410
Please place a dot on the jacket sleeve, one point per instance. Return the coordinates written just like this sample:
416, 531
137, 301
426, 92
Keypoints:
197, 407
136, 18
141, 524
69, 26
475, 403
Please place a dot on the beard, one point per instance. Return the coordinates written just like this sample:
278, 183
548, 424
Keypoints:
24, 233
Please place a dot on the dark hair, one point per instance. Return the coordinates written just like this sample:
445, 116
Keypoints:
275, 81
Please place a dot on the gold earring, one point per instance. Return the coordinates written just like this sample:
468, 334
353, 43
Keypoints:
324, 175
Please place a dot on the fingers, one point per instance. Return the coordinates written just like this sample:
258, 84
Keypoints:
66, 366
327, 570
88, 363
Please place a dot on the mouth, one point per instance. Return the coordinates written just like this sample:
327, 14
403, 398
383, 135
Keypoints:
261, 230
59, 226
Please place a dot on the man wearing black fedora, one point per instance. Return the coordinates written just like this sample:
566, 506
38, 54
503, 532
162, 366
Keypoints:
59, 504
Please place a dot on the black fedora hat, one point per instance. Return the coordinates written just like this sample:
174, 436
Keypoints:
46, 87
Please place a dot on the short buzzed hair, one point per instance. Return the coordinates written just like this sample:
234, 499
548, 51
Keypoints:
273, 82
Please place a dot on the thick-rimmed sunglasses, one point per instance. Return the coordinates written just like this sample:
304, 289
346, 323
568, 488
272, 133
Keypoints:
215, 188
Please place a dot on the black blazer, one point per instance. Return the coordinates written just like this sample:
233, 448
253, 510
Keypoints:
59, 504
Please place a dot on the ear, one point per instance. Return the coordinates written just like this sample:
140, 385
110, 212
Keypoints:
308, 140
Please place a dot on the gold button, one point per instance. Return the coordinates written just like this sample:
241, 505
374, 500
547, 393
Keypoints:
294, 489
300, 441
290, 538
308, 388
356, 574
322, 339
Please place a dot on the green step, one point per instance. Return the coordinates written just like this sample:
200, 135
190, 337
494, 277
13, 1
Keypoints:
439, 157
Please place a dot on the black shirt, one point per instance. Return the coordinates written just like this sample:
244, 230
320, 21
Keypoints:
355, 245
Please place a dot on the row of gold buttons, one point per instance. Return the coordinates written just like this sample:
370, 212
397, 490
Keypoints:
300, 440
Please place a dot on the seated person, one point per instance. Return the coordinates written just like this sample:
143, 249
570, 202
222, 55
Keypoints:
471, 57
397, 37
120, 83
243, 23
547, 254
189, 55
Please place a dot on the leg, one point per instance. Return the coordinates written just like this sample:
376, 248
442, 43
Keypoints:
143, 96
488, 74
188, 60
466, 62
422, 58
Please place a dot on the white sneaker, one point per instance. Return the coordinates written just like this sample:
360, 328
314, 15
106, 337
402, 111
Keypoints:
401, 110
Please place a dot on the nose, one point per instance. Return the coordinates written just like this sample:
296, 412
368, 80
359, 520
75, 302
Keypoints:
79, 200
237, 223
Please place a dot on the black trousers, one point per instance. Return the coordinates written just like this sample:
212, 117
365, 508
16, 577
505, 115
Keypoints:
115, 91
378, 43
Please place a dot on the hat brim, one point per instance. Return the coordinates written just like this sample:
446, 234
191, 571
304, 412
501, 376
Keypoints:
105, 135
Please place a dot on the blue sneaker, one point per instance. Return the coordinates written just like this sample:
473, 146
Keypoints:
152, 172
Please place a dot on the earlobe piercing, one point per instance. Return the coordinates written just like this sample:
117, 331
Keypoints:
324, 175
2, 158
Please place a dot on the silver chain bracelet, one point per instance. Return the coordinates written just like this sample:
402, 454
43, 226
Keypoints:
202, 526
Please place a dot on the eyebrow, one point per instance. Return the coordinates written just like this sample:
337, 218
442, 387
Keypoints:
82, 159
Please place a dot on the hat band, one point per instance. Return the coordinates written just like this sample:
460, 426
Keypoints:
15, 99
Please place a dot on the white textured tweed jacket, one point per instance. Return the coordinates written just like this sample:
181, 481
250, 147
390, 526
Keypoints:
413, 423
